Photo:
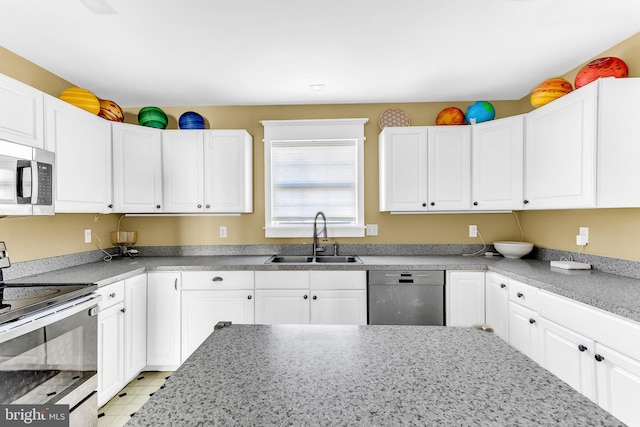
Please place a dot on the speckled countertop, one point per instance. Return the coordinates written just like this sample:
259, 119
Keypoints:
363, 376
616, 294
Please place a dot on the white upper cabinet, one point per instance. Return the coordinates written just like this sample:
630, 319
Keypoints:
560, 152
21, 113
425, 168
497, 149
449, 168
228, 171
403, 169
207, 171
618, 143
82, 143
137, 169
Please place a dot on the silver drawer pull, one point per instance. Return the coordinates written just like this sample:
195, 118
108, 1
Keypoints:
217, 279
112, 295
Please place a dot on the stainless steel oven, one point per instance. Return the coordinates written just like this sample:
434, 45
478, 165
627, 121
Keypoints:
48, 348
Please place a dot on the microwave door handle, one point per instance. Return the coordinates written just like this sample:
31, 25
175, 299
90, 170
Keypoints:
24, 180
35, 180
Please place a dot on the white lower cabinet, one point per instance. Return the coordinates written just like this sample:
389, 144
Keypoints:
110, 351
122, 335
209, 297
317, 297
618, 384
523, 330
135, 326
569, 356
163, 320
464, 295
497, 304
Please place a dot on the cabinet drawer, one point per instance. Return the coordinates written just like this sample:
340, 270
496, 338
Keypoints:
337, 280
282, 279
209, 280
111, 294
523, 294
606, 328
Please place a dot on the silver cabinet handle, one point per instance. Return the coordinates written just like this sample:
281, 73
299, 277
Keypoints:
112, 294
122, 310
199, 206
175, 284
249, 297
207, 206
502, 286
519, 294
217, 279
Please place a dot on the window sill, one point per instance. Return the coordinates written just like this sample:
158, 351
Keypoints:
306, 231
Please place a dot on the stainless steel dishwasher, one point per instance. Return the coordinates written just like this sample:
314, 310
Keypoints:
406, 297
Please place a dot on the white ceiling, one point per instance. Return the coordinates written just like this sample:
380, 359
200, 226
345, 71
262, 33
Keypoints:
259, 52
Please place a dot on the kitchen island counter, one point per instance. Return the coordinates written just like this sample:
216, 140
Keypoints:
363, 375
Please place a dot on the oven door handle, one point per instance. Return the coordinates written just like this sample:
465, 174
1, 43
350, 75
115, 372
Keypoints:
48, 316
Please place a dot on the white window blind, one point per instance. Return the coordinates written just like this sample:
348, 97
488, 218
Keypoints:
312, 176
312, 166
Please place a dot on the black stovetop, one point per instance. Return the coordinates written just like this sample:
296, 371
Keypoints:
18, 300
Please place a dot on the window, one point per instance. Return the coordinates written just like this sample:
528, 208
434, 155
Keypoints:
311, 166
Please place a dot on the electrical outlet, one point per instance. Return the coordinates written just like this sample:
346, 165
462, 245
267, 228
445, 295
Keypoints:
87, 235
584, 233
223, 231
473, 231
372, 229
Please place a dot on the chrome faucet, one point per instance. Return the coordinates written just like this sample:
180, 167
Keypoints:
317, 248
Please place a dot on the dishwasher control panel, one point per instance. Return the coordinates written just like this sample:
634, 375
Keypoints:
416, 277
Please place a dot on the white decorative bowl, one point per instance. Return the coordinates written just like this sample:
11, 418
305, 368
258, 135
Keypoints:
513, 249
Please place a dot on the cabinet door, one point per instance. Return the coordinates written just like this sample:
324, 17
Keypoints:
497, 304
182, 166
82, 143
201, 310
137, 168
339, 307
618, 148
497, 164
465, 298
135, 321
569, 356
228, 171
282, 306
449, 168
163, 320
403, 169
618, 384
21, 113
110, 352
560, 148
523, 330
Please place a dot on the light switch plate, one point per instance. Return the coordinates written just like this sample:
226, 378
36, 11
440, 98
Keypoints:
372, 229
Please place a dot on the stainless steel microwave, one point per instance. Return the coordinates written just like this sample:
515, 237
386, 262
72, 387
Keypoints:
26, 180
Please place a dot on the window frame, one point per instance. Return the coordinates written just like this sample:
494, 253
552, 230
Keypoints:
306, 131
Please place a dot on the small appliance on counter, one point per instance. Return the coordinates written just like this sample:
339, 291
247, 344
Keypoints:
124, 239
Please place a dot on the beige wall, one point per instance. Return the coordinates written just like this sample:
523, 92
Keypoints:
34, 238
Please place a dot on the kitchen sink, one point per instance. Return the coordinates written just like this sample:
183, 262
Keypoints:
304, 259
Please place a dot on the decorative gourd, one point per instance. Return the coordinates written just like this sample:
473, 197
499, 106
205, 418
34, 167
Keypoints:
609, 66
152, 117
549, 90
111, 111
480, 111
81, 98
450, 116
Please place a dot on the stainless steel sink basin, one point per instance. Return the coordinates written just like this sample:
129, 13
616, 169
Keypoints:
340, 259
304, 259
290, 259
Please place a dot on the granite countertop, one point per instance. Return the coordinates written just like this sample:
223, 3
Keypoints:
363, 375
613, 293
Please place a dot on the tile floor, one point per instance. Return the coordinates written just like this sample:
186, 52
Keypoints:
117, 411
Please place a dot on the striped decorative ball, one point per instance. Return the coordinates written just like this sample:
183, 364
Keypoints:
81, 98
549, 90
111, 111
480, 111
152, 117
191, 120
609, 66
